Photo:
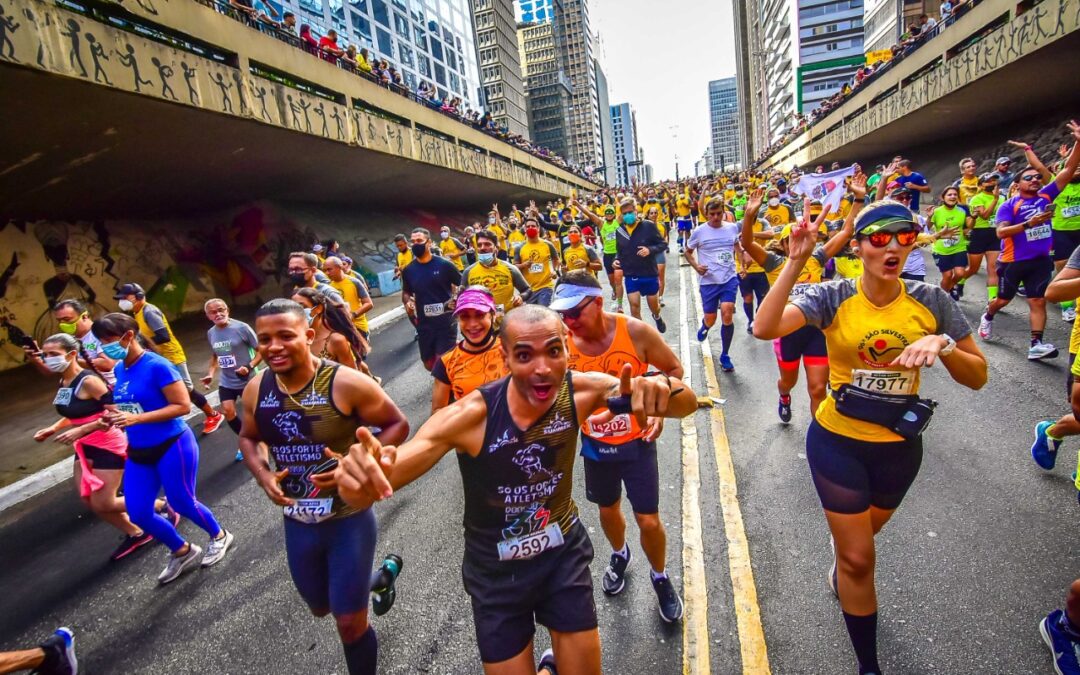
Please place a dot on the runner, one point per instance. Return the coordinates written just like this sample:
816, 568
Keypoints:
1023, 225
336, 338
620, 451
155, 330
950, 222
100, 450
968, 184
577, 256
684, 217
638, 243
74, 318
451, 247
304, 410
538, 261
478, 358
865, 447
984, 242
151, 401
654, 213
404, 255
526, 554
232, 358
354, 292
711, 252
430, 284
54, 656
501, 278
753, 281
608, 227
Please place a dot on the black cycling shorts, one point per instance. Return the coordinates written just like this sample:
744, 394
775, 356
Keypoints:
756, 283
1065, 242
229, 394
609, 263
1034, 274
604, 480
983, 240
807, 344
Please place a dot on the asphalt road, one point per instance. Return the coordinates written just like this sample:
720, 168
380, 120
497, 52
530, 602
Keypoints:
978, 553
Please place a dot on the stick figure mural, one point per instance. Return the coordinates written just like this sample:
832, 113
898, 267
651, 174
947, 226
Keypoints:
189, 75
165, 71
338, 119
129, 60
97, 53
43, 49
260, 96
75, 55
321, 112
240, 91
294, 109
304, 105
226, 102
7, 23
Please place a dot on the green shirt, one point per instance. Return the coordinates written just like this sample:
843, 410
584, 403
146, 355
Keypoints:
873, 180
1067, 213
607, 234
944, 217
984, 200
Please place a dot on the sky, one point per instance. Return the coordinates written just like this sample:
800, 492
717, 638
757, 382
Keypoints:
660, 57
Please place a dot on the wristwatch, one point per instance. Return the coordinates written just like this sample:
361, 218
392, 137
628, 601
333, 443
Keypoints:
950, 346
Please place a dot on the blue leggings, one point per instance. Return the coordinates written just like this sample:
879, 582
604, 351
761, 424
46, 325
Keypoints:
175, 471
331, 562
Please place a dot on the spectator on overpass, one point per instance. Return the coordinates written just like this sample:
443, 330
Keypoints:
288, 23
329, 47
310, 44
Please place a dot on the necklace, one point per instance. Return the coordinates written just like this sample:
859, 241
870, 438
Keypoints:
282, 387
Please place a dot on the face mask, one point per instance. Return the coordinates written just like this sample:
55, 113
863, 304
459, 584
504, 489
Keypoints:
731, 186
57, 364
308, 316
485, 258
491, 220
532, 232
68, 328
126, 305
115, 351
298, 279
574, 238
629, 218
444, 235
419, 250
774, 202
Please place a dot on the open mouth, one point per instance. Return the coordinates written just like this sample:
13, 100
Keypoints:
276, 362
892, 264
542, 391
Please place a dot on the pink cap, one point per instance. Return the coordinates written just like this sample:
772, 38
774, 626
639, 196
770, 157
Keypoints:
474, 298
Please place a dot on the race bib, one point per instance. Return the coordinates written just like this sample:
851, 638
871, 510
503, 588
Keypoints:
532, 545
226, 361
1039, 232
1070, 211
619, 425
897, 382
725, 256
536, 268
434, 309
130, 408
949, 243
798, 290
63, 396
310, 511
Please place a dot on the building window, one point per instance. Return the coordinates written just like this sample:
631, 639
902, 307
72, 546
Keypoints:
419, 38
401, 25
386, 45
382, 14
436, 49
440, 74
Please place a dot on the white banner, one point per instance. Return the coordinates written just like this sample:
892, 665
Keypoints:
827, 187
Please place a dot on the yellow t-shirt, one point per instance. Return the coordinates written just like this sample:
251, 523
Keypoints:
577, 257
448, 246
351, 294
682, 206
499, 279
780, 216
514, 239
404, 258
499, 233
968, 188
171, 350
541, 256
848, 267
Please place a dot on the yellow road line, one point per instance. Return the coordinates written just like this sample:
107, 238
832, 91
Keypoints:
695, 593
755, 657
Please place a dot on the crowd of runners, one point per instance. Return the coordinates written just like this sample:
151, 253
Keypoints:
534, 361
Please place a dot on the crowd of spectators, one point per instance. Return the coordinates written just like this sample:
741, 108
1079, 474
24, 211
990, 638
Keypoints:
265, 18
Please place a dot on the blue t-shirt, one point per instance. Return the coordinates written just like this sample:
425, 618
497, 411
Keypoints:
139, 389
914, 179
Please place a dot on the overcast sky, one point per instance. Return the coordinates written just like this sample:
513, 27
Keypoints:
660, 56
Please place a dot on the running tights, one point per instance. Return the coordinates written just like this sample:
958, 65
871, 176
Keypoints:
175, 471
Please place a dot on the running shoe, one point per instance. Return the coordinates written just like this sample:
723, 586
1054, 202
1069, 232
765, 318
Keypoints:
59, 651
212, 423
217, 548
986, 328
667, 599
702, 333
725, 364
1042, 350
179, 564
1041, 452
615, 575
129, 545
239, 456
1068, 314
383, 590
750, 327
954, 293
784, 409
1063, 644
618, 308
547, 662
833, 584
660, 325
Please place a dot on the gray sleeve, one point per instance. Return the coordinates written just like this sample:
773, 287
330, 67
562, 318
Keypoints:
950, 319
554, 253
361, 289
773, 260
820, 301
465, 274
819, 255
1074, 261
595, 258
249, 336
518, 278
155, 321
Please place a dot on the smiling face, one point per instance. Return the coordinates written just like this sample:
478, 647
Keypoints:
284, 341
950, 197
536, 356
475, 325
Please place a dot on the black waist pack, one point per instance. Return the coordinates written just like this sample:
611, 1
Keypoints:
153, 454
905, 415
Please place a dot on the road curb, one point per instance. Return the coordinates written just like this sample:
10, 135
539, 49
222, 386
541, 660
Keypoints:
36, 483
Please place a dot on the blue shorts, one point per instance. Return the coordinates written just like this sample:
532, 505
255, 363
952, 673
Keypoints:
661, 258
684, 224
330, 562
604, 480
542, 296
714, 294
645, 285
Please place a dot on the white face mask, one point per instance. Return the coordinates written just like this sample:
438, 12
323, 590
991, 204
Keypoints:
444, 235
491, 220
56, 364
774, 202
126, 305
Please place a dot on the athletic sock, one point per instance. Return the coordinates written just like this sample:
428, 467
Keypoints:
1036, 337
235, 424
785, 399
962, 282
727, 331
624, 553
748, 309
1051, 436
1068, 305
362, 655
863, 633
991, 292
656, 576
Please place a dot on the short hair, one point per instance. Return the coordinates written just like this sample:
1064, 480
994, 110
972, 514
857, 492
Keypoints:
310, 259
530, 314
74, 304
288, 15
714, 203
950, 187
114, 325
582, 278
206, 305
966, 159
333, 260
399, 237
281, 306
627, 201
422, 230
904, 164
488, 235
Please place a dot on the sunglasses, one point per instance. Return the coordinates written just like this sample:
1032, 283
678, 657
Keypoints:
1031, 178
575, 312
882, 239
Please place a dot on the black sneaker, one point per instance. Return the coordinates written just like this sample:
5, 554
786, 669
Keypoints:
59, 651
383, 592
667, 600
784, 409
615, 574
660, 325
130, 544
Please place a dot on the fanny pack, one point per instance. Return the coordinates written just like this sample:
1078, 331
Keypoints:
152, 454
906, 415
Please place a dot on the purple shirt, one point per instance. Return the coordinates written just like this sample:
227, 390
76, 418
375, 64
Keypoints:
1035, 242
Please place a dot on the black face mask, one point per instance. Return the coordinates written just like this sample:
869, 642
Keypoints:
298, 279
419, 250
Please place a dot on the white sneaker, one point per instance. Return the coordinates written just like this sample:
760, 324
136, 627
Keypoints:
177, 565
1068, 314
217, 548
986, 328
1042, 350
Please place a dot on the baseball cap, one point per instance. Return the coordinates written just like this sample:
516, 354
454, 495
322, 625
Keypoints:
1003, 160
569, 296
900, 192
474, 297
889, 217
129, 289
987, 177
317, 247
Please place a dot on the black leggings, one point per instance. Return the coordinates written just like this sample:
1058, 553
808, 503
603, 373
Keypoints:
198, 399
852, 475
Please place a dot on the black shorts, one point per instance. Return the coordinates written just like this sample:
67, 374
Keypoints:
807, 344
435, 338
1065, 242
1034, 274
754, 282
609, 263
604, 481
946, 262
913, 277
553, 589
229, 394
983, 240
102, 459
851, 475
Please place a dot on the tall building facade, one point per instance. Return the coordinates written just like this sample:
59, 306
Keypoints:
607, 133
724, 123
500, 64
628, 162
537, 11
426, 40
548, 89
585, 141
830, 48
884, 20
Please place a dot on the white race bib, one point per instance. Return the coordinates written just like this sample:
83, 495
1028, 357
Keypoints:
531, 545
63, 396
725, 256
130, 408
1070, 211
536, 268
226, 361
798, 290
949, 243
434, 309
617, 426
899, 382
1039, 232
310, 511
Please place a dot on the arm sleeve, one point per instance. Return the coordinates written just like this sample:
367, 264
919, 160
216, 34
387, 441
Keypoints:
592, 254
164, 374
523, 286
950, 319
361, 289
405, 286
438, 371
657, 243
554, 253
772, 261
155, 321
548, 225
249, 336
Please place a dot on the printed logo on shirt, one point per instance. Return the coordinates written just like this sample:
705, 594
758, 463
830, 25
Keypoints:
504, 440
879, 347
314, 398
288, 424
557, 424
223, 346
270, 401
527, 459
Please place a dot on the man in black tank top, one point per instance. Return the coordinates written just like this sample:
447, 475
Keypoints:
526, 555
300, 408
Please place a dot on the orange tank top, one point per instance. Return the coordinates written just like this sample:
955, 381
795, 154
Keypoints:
622, 428
467, 371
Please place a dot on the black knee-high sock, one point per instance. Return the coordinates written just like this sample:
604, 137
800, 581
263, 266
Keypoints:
198, 399
863, 633
235, 424
362, 655
748, 309
727, 331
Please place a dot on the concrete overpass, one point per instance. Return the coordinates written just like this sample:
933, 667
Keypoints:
164, 107
1001, 62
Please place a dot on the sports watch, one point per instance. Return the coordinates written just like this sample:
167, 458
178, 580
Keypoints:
950, 346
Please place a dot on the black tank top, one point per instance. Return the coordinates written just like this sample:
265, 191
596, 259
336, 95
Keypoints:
70, 406
297, 428
522, 479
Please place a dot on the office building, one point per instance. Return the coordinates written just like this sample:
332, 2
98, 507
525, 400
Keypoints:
537, 11
628, 161
830, 48
704, 166
500, 64
607, 133
724, 122
580, 66
548, 90
885, 20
